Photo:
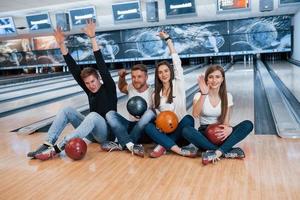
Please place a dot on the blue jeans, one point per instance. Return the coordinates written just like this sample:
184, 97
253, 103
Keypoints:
169, 140
239, 132
93, 126
127, 131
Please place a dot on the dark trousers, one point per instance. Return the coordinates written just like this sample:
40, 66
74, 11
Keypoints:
198, 138
169, 140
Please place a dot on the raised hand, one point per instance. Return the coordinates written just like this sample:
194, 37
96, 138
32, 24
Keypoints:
59, 36
202, 84
122, 73
90, 28
163, 35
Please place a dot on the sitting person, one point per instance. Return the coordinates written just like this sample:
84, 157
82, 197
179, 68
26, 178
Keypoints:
169, 95
100, 88
130, 132
213, 104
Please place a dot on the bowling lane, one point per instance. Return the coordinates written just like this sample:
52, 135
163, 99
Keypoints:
239, 80
41, 82
45, 87
34, 83
289, 75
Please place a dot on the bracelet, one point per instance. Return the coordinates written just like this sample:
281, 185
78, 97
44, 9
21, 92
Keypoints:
204, 94
92, 37
168, 38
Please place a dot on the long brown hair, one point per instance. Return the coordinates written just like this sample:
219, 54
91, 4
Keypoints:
222, 91
158, 84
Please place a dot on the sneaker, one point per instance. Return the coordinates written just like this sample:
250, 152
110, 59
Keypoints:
189, 152
138, 150
235, 153
209, 156
46, 154
191, 145
158, 151
42, 148
111, 146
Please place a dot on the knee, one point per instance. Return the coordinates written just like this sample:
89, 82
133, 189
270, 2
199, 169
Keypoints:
188, 120
148, 116
110, 116
248, 125
67, 110
93, 116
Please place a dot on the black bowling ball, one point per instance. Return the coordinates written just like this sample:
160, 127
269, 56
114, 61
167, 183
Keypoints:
136, 106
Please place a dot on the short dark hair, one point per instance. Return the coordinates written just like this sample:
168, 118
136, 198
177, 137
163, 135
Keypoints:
141, 67
89, 71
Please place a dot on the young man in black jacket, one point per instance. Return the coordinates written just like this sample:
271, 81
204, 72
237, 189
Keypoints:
101, 91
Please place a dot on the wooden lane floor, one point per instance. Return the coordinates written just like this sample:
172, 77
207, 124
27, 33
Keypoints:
270, 171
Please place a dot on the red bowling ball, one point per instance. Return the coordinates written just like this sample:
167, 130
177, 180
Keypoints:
76, 148
210, 133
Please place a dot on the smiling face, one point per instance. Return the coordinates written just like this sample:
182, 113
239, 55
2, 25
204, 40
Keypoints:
139, 79
92, 83
215, 79
164, 73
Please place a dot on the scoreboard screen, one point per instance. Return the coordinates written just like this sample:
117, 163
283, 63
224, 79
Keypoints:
224, 5
7, 26
81, 15
126, 11
180, 7
38, 22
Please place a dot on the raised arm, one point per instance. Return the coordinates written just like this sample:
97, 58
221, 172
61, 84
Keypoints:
74, 68
199, 100
60, 39
165, 36
122, 84
175, 58
90, 31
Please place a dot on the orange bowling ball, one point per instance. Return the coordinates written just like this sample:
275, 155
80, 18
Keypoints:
210, 133
76, 148
166, 121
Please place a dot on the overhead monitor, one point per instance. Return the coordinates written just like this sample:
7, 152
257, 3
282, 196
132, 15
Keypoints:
127, 11
180, 7
7, 26
39, 22
289, 2
62, 21
79, 16
230, 5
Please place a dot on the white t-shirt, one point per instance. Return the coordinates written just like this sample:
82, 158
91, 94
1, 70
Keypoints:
210, 114
147, 95
163, 106
178, 105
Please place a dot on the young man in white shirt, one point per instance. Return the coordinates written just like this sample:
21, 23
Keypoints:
130, 131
